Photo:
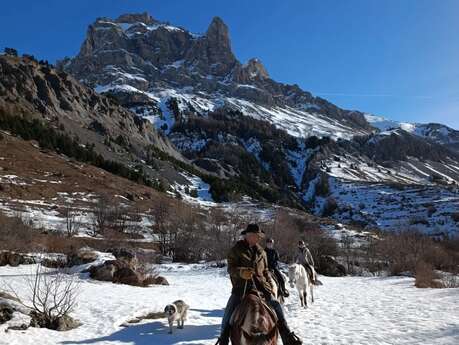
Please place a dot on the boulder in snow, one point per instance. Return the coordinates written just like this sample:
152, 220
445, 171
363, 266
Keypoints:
129, 276
329, 266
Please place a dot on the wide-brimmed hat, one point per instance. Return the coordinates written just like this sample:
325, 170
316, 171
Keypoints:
253, 228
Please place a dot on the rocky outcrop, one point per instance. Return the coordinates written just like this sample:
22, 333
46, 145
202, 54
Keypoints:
14, 259
249, 71
128, 276
123, 271
329, 266
105, 271
81, 257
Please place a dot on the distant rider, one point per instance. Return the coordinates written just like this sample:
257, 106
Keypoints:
304, 258
273, 265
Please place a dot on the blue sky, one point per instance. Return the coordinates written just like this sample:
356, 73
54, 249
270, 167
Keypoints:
396, 58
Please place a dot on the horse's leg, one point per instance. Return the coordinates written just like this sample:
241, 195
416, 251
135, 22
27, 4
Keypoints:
305, 298
312, 293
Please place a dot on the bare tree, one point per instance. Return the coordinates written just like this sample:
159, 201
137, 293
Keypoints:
101, 216
161, 213
347, 246
72, 221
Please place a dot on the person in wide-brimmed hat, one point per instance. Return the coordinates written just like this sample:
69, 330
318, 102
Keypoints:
248, 269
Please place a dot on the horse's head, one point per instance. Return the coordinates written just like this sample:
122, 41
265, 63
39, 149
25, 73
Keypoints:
292, 269
256, 323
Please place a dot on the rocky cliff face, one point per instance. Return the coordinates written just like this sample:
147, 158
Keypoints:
35, 90
29, 88
140, 52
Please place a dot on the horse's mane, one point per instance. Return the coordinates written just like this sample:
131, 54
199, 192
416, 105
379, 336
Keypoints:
252, 304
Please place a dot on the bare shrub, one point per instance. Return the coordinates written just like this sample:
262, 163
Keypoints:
320, 244
189, 235
425, 276
223, 232
287, 229
402, 250
285, 232
451, 280
52, 296
16, 234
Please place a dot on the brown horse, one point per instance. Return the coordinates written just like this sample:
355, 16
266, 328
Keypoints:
253, 323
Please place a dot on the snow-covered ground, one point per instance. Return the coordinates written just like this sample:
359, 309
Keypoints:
392, 208
350, 310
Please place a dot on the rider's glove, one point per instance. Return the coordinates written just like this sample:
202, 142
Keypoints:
246, 273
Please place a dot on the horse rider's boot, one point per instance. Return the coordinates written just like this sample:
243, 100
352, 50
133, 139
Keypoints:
224, 337
285, 292
288, 337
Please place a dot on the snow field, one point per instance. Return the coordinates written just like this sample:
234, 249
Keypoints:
349, 310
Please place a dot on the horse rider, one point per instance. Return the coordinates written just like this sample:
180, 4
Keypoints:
248, 270
273, 265
304, 258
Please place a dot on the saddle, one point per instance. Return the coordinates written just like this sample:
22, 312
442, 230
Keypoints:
274, 277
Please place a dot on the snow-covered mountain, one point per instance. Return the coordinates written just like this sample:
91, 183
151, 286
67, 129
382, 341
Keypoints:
433, 131
146, 61
272, 141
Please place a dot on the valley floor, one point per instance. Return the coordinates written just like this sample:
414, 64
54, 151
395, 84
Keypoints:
350, 310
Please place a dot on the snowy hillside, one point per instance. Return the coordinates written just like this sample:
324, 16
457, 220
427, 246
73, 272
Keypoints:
433, 131
349, 310
425, 208
295, 121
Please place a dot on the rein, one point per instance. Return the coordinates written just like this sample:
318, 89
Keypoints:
262, 336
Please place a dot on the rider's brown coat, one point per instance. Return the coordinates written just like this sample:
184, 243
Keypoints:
243, 256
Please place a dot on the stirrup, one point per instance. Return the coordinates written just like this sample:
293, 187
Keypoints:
294, 339
219, 341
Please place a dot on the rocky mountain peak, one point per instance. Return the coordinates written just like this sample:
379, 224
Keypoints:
254, 68
218, 30
131, 18
219, 44
136, 52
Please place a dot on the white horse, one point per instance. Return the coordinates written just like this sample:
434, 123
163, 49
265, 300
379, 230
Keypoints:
299, 277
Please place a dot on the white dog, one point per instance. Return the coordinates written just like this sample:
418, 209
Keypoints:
176, 311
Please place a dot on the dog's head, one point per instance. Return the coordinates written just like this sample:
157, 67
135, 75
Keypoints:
170, 310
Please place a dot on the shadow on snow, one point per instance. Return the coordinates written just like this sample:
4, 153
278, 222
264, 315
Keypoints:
157, 333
